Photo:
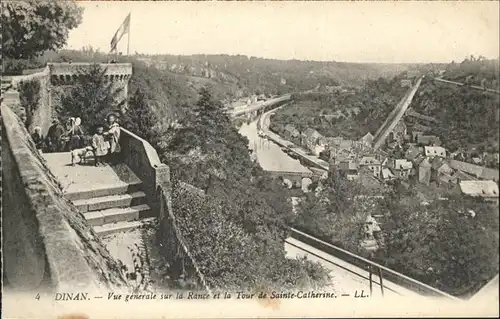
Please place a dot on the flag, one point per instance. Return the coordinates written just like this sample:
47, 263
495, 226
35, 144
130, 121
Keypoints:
124, 28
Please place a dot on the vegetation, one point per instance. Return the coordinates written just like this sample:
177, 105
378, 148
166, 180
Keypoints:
442, 244
335, 213
237, 230
29, 94
466, 118
257, 75
91, 98
439, 243
31, 27
350, 115
476, 71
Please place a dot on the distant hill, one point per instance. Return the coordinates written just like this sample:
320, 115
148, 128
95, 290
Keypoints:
257, 75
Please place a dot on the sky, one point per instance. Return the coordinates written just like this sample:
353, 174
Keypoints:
388, 32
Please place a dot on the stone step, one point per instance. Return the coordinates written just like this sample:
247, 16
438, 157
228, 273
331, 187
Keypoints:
112, 201
103, 190
114, 215
119, 227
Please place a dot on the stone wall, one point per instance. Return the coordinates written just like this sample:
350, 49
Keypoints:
143, 159
58, 78
63, 76
47, 243
43, 110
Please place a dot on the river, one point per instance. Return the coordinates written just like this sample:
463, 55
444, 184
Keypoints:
269, 155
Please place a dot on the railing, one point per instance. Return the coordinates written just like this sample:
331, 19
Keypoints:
389, 274
176, 244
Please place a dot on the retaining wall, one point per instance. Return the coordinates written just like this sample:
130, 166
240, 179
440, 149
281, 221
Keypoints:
47, 243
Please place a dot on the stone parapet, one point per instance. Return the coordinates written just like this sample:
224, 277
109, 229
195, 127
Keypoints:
47, 244
143, 159
66, 73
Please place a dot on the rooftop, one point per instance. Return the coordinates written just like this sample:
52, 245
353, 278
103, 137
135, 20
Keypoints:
487, 189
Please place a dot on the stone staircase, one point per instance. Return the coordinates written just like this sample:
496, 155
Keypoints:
111, 198
113, 209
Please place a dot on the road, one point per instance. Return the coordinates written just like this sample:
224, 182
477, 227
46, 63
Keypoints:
395, 116
345, 278
470, 86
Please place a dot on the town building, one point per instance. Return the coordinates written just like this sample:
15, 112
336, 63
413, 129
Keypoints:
477, 171
372, 164
401, 168
424, 171
428, 140
432, 151
311, 138
387, 175
350, 169
291, 132
367, 139
488, 190
413, 152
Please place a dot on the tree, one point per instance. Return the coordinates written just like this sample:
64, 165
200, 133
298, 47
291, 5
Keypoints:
334, 213
441, 243
29, 93
30, 27
237, 230
91, 98
139, 118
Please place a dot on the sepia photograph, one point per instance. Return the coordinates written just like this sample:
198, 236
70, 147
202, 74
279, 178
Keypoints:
250, 159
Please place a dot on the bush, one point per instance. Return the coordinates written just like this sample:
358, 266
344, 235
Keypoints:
29, 93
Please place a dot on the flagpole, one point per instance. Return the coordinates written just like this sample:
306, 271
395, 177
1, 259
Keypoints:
128, 36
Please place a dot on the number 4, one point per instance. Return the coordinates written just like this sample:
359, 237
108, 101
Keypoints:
37, 297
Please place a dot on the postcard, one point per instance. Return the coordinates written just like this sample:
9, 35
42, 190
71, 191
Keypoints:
250, 159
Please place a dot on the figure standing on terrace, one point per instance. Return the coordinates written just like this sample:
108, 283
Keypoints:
38, 138
113, 136
53, 136
99, 146
75, 134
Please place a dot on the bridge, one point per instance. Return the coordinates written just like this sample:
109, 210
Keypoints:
259, 108
297, 178
395, 116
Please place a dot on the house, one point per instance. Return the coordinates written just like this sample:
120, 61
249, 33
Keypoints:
387, 175
367, 139
424, 171
291, 131
485, 189
429, 140
311, 138
475, 170
401, 168
398, 134
459, 176
413, 152
431, 151
440, 166
372, 164
350, 168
